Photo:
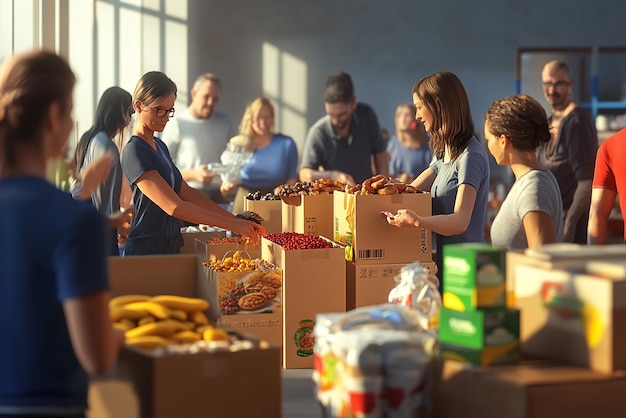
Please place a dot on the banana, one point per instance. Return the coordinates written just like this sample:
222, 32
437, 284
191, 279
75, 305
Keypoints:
165, 328
186, 304
199, 318
186, 337
155, 309
200, 329
215, 334
123, 326
117, 313
146, 320
126, 299
149, 342
178, 314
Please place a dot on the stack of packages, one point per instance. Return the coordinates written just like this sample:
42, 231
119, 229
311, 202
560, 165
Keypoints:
374, 361
475, 324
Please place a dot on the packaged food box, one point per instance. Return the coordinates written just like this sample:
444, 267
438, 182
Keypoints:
474, 276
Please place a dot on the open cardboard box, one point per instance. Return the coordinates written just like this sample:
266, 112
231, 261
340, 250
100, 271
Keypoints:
531, 389
209, 251
308, 214
269, 210
190, 237
314, 281
186, 385
358, 222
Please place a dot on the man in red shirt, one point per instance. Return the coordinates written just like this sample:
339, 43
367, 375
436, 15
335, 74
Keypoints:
609, 180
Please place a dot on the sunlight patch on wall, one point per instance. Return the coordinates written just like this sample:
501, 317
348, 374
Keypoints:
285, 83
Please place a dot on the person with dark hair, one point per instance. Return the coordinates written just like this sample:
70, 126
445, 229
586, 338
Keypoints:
161, 197
343, 144
54, 287
113, 114
532, 212
570, 154
459, 177
197, 136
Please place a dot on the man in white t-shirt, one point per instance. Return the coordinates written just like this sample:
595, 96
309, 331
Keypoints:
198, 135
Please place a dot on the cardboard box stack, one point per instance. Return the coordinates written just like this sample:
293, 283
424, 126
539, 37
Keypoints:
475, 324
375, 250
572, 303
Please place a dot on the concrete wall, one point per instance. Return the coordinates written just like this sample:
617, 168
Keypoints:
386, 45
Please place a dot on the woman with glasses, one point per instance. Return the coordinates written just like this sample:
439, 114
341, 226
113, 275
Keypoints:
160, 195
275, 156
459, 177
54, 290
113, 114
532, 212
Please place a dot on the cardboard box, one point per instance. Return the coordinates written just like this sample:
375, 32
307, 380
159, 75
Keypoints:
488, 336
308, 214
209, 251
357, 222
572, 317
264, 318
474, 276
314, 282
270, 211
142, 386
528, 390
189, 239
370, 284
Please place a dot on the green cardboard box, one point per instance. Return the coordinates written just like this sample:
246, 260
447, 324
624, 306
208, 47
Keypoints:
474, 276
486, 356
497, 330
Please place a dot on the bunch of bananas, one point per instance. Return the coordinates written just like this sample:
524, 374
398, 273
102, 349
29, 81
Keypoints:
149, 322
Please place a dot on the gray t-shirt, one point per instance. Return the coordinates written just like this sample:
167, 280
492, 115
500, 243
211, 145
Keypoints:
193, 142
106, 197
471, 168
352, 155
535, 191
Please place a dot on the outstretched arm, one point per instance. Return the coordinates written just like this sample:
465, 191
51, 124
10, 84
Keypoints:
602, 202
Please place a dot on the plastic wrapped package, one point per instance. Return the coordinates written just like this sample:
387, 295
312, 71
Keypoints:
371, 362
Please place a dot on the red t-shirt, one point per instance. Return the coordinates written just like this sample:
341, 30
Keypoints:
610, 170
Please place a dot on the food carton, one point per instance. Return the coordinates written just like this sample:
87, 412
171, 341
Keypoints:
249, 301
474, 276
359, 224
488, 336
191, 234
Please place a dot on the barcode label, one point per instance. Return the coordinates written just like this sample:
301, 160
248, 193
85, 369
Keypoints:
375, 254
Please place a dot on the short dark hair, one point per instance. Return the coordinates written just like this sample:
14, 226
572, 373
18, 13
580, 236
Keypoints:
339, 88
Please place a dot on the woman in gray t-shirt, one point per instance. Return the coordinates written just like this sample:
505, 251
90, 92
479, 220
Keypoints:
532, 213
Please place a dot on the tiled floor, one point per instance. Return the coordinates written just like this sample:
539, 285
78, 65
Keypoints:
298, 394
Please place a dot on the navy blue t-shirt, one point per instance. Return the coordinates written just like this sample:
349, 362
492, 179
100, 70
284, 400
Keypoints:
150, 221
53, 248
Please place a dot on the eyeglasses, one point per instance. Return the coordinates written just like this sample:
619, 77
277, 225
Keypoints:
556, 85
161, 112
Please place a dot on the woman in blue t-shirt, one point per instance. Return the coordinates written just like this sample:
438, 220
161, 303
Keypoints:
54, 290
275, 156
160, 195
459, 177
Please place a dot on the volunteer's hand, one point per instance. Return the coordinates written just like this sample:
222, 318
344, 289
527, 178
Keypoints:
204, 175
404, 218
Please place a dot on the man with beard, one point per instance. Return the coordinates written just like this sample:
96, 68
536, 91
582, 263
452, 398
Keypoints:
198, 135
343, 144
571, 152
